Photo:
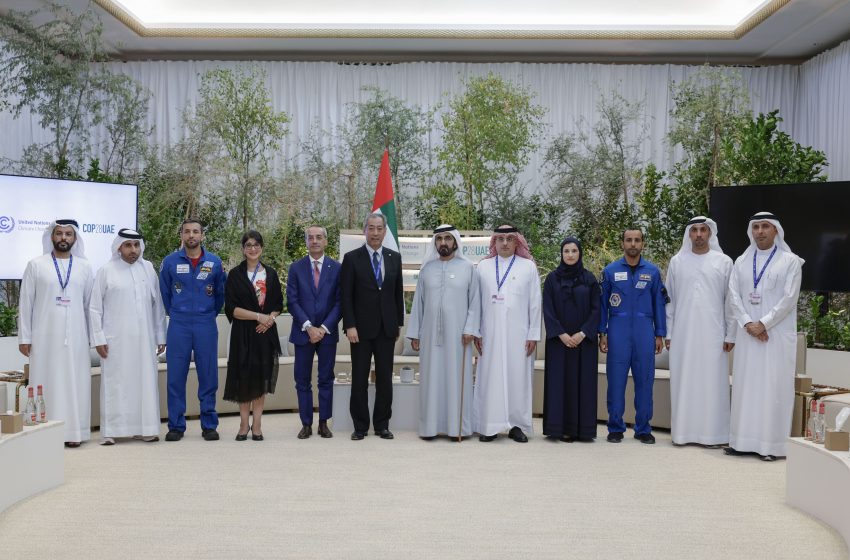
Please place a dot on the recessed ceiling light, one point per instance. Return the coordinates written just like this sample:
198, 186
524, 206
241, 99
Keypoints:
475, 16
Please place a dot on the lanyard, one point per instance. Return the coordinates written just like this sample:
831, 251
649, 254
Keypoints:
376, 267
500, 283
757, 279
256, 270
64, 284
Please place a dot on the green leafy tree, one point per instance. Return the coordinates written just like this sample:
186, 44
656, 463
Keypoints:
758, 153
344, 162
443, 204
707, 107
186, 181
57, 70
489, 132
8, 323
656, 216
337, 175
595, 173
236, 108
384, 121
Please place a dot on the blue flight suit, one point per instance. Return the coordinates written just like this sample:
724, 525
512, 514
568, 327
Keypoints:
192, 297
632, 316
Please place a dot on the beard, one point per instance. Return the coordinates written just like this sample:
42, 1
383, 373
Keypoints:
62, 246
445, 250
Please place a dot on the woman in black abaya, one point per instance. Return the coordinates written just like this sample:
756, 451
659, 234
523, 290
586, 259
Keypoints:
571, 314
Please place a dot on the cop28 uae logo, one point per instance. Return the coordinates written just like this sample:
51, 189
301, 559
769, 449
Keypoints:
7, 224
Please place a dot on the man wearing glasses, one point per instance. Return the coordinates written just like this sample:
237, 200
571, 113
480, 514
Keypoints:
312, 295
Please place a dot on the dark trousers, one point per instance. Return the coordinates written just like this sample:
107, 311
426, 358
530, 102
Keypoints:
381, 347
325, 382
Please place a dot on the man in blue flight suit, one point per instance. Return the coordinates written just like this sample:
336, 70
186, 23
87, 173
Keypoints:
633, 300
191, 281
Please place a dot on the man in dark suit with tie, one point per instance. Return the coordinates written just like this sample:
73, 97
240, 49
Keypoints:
313, 299
372, 316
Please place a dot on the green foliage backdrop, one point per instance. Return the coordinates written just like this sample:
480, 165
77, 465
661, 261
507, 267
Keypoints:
596, 184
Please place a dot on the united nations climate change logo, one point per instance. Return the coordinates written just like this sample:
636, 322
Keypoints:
7, 224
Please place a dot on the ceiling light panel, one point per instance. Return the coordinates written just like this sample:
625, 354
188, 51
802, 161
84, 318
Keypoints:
463, 14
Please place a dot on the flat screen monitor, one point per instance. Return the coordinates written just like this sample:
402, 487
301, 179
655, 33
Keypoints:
29, 204
815, 217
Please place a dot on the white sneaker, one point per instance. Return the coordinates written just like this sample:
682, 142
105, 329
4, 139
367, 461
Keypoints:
146, 438
107, 441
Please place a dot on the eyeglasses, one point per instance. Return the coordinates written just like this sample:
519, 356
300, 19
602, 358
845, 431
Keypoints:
249, 246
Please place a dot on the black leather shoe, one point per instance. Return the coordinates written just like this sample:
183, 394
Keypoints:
517, 435
615, 437
357, 436
427, 438
735, 452
242, 437
256, 437
173, 435
210, 434
568, 439
487, 438
306, 431
324, 431
645, 438
385, 434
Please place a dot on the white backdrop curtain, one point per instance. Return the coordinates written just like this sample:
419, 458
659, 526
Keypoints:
813, 98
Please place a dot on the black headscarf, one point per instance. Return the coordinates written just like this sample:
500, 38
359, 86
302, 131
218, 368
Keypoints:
570, 271
571, 275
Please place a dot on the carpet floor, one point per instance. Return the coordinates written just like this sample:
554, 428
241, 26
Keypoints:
411, 499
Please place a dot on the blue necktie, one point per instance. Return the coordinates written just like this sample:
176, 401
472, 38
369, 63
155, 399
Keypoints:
376, 267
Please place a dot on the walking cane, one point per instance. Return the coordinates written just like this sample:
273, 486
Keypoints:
460, 420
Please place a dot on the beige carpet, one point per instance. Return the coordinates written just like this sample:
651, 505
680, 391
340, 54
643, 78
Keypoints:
286, 498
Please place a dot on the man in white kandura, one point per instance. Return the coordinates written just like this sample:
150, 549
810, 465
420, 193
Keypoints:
128, 331
510, 328
444, 320
763, 291
700, 331
53, 329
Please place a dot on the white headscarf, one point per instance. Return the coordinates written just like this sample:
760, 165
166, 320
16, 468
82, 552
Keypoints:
779, 241
77, 250
431, 253
713, 242
127, 234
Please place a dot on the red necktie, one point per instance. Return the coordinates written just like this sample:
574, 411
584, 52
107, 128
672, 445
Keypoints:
316, 274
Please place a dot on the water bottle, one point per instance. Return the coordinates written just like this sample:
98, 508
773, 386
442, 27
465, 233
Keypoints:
821, 425
40, 407
30, 416
810, 425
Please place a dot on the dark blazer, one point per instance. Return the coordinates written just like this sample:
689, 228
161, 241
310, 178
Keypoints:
366, 307
306, 303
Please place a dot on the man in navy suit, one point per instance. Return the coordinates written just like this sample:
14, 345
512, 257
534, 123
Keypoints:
372, 316
312, 295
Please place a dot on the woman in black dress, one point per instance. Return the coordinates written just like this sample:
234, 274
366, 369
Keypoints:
571, 314
252, 299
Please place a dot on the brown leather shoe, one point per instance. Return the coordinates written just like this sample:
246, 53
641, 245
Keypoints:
306, 431
324, 431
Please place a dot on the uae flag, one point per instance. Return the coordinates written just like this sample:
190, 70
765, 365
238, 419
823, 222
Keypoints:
385, 202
